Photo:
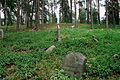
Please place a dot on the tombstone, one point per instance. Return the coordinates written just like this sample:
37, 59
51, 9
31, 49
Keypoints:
58, 34
1, 34
74, 64
72, 26
50, 49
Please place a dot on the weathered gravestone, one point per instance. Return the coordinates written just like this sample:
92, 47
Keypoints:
50, 49
58, 37
75, 64
1, 34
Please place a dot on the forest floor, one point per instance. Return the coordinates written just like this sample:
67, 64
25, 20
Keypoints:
22, 54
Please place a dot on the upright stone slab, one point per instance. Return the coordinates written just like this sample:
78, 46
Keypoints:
1, 34
58, 37
75, 64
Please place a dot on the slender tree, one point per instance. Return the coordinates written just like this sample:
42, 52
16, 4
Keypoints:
43, 12
98, 6
71, 11
32, 11
5, 14
28, 14
80, 9
37, 15
75, 13
91, 14
107, 26
18, 16
116, 10
64, 9
87, 10
0, 13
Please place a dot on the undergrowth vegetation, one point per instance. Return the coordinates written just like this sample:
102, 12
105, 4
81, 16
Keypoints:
22, 54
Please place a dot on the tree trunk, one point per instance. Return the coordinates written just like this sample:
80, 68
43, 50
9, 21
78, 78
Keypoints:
21, 17
107, 27
49, 14
91, 14
75, 12
98, 3
71, 10
9, 19
87, 9
18, 16
42, 13
117, 12
80, 5
5, 14
113, 15
52, 11
37, 14
0, 13
31, 17
28, 15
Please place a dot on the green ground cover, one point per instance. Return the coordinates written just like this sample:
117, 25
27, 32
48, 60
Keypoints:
22, 54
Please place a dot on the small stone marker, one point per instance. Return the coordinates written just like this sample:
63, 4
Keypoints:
116, 57
58, 33
72, 26
50, 49
1, 34
75, 64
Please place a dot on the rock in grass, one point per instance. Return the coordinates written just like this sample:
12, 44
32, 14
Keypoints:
116, 57
74, 64
11, 68
1, 34
50, 49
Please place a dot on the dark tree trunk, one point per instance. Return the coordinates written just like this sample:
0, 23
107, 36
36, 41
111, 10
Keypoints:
91, 14
37, 15
87, 9
98, 3
18, 16
42, 13
0, 13
52, 12
28, 15
9, 18
21, 17
113, 15
5, 14
31, 17
75, 13
107, 25
71, 11
116, 12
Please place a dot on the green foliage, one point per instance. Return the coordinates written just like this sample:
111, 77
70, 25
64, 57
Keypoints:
82, 15
26, 51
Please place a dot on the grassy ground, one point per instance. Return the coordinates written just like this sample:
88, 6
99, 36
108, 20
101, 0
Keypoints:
22, 54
